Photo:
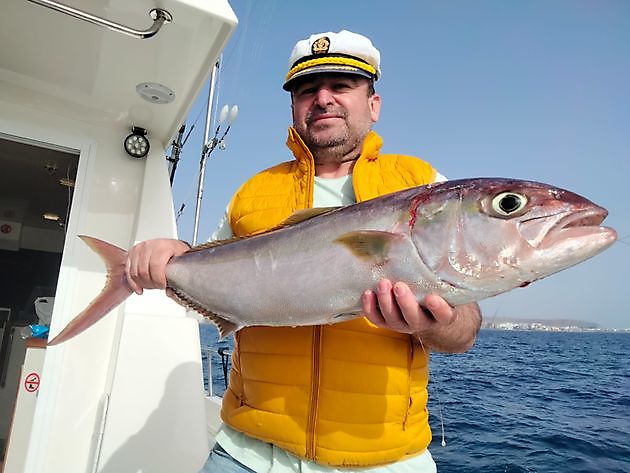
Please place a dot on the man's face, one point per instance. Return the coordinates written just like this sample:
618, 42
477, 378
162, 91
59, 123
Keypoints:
333, 111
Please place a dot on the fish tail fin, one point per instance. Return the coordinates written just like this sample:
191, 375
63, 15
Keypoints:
116, 290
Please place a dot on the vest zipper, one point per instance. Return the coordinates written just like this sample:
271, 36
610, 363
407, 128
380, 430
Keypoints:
313, 402
409, 376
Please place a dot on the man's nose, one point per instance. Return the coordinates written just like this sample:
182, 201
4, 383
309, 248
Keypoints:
324, 96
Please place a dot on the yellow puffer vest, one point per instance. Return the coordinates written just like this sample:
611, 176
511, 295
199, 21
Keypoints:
348, 394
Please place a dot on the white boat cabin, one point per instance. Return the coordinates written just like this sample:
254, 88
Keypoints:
127, 394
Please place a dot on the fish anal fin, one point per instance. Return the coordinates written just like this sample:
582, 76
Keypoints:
369, 244
224, 326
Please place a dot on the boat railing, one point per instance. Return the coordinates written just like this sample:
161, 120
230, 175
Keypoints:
159, 16
215, 359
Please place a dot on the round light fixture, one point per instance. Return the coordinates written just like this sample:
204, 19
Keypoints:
155, 93
137, 143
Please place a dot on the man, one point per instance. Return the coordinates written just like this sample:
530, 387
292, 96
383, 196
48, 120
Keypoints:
348, 395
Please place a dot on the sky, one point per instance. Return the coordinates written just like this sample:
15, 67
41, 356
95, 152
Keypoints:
536, 89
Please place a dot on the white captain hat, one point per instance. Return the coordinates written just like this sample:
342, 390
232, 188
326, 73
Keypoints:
344, 52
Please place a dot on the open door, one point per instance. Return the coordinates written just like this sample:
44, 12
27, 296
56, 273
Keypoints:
36, 188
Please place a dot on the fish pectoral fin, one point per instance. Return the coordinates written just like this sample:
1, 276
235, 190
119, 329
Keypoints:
369, 244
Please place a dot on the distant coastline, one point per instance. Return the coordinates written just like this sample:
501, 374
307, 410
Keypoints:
546, 325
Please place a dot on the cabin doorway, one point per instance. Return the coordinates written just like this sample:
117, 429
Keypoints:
36, 189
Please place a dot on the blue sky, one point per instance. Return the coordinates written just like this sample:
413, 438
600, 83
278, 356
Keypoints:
536, 89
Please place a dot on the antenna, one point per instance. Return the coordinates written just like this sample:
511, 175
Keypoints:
210, 144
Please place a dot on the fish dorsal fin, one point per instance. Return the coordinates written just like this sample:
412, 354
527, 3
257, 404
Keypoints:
369, 244
225, 327
293, 219
212, 244
306, 214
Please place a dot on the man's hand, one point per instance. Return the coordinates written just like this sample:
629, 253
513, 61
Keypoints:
146, 264
435, 322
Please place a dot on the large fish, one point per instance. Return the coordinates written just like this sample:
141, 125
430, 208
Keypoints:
464, 240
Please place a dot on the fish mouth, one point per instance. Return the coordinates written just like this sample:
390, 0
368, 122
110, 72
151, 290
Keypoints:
583, 224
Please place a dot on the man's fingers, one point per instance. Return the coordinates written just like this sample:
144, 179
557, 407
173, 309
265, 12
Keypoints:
157, 270
139, 273
146, 263
409, 307
132, 284
371, 309
442, 312
416, 318
386, 302
142, 272
397, 305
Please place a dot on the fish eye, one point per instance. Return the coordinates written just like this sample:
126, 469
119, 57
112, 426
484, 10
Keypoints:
507, 203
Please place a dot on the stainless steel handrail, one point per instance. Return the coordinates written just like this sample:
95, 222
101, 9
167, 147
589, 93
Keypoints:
224, 353
158, 15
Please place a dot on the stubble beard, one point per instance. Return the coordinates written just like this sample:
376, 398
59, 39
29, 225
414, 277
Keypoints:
337, 147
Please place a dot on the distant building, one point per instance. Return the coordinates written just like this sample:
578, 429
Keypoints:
556, 325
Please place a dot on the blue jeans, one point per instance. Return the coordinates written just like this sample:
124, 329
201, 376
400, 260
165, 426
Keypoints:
220, 461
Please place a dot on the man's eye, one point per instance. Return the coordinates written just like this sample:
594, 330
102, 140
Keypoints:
342, 86
306, 91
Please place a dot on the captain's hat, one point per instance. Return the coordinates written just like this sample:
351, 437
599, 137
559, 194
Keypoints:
345, 52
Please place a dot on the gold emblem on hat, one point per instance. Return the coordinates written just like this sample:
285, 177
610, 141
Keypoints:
320, 45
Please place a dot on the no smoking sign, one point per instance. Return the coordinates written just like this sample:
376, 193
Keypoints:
31, 382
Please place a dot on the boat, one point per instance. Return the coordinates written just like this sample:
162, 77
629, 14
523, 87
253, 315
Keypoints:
92, 93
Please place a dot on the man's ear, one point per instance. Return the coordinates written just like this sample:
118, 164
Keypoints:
374, 102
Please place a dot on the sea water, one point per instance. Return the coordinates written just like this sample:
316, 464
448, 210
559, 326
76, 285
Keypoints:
524, 401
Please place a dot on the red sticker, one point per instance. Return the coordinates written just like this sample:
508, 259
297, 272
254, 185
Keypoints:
6, 228
31, 383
